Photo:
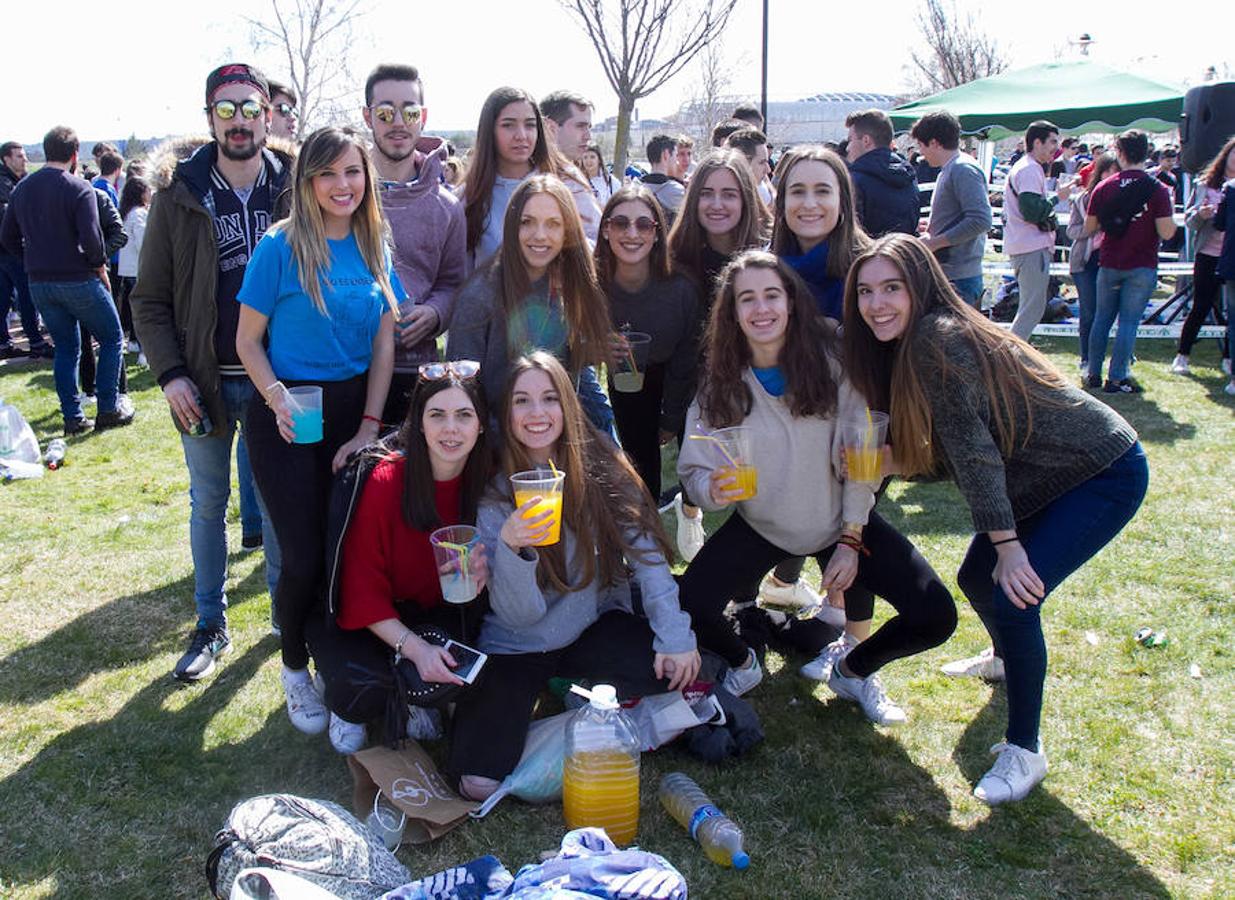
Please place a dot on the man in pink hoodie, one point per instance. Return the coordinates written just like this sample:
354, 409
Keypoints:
426, 219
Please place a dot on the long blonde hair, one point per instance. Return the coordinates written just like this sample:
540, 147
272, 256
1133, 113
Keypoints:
305, 232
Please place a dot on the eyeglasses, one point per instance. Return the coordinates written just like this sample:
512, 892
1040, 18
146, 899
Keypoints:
643, 224
227, 109
386, 112
286, 110
459, 368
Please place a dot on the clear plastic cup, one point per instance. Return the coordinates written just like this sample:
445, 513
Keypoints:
453, 548
306, 404
547, 485
629, 367
863, 439
736, 458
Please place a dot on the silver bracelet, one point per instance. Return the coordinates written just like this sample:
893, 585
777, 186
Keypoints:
399, 646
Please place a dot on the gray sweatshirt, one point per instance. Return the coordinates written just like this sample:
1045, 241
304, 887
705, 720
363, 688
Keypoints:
961, 212
801, 503
525, 618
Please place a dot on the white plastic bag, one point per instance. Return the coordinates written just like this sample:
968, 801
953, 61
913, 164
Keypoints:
17, 442
538, 777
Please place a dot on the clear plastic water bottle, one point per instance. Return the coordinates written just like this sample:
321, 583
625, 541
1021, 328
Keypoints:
717, 834
600, 777
387, 822
53, 457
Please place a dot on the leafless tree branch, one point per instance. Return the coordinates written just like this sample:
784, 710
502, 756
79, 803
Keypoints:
955, 49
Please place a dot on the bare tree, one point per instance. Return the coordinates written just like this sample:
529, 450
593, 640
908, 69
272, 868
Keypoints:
315, 39
644, 43
955, 49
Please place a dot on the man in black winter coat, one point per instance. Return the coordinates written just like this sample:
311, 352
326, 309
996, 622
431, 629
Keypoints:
885, 185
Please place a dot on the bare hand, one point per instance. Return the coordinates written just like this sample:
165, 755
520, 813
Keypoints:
1016, 576
1064, 191
679, 668
841, 570
101, 271
365, 435
431, 661
280, 403
618, 345
519, 532
181, 394
415, 325
835, 598
1207, 211
723, 486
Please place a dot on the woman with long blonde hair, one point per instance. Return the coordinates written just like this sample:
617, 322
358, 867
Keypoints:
317, 308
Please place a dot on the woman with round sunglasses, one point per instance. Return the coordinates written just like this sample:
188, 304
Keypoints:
539, 292
632, 263
314, 311
1050, 474
565, 609
429, 476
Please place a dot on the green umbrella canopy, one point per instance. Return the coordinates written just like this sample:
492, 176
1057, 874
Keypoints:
1077, 96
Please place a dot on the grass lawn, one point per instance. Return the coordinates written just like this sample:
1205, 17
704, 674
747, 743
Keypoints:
114, 778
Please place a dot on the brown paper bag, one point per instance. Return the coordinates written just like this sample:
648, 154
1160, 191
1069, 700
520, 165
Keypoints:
407, 778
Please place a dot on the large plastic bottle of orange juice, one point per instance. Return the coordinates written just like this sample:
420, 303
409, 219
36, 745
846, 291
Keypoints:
600, 780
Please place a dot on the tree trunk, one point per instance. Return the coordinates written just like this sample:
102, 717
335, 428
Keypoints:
626, 106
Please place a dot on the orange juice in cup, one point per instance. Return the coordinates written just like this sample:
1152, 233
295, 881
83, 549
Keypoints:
747, 480
736, 458
547, 485
863, 440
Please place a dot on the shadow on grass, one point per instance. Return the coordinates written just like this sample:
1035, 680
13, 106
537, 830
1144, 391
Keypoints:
126, 631
1152, 423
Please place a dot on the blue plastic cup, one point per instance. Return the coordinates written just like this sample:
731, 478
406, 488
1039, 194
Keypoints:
306, 404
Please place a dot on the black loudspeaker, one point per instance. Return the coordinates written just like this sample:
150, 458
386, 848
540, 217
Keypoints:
1207, 122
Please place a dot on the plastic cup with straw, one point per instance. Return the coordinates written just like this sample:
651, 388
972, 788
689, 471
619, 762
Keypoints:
737, 459
452, 551
545, 486
863, 440
629, 367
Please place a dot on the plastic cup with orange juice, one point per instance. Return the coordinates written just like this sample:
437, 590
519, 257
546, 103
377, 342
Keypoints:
547, 485
863, 439
736, 459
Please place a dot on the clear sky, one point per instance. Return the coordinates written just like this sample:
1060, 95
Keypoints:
151, 81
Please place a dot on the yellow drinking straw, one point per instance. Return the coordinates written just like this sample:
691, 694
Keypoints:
870, 430
630, 354
461, 549
720, 444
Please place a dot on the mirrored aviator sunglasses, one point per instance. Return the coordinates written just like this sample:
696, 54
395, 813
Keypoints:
227, 109
387, 112
461, 369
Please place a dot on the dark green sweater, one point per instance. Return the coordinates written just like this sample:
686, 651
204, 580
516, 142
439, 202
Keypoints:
1073, 438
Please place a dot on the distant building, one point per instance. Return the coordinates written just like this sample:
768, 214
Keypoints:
821, 117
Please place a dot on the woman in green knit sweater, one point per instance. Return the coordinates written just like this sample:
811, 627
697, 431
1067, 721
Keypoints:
1050, 474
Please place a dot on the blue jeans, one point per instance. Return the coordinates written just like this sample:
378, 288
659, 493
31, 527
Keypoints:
63, 304
209, 461
1058, 539
13, 279
251, 517
1228, 293
969, 289
1124, 293
1086, 282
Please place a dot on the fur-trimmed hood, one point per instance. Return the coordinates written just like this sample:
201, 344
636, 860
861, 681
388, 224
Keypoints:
162, 161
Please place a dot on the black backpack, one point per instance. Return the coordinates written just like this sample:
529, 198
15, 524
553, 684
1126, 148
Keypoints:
1117, 214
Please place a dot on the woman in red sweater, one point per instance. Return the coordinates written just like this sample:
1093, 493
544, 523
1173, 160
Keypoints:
389, 581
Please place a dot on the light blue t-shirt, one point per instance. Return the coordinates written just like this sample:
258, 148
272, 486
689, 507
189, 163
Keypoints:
304, 344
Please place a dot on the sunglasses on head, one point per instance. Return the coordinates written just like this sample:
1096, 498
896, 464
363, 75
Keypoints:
643, 224
387, 112
286, 110
459, 368
227, 109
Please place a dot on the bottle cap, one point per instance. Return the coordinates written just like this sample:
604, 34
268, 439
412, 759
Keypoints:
604, 696
741, 860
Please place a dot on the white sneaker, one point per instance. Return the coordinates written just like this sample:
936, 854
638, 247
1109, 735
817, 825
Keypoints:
869, 694
797, 599
690, 531
986, 665
1226, 366
1014, 774
1230, 388
832, 615
346, 737
1083, 366
304, 706
820, 668
424, 724
1179, 366
743, 678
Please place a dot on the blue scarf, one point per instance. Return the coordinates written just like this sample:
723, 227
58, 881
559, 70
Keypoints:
829, 292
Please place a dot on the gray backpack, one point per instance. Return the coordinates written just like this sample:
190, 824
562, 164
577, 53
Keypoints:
317, 840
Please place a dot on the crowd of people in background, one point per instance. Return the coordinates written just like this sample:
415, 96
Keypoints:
778, 294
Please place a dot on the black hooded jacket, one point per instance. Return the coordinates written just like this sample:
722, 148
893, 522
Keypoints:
886, 192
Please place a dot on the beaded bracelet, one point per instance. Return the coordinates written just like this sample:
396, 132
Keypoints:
853, 543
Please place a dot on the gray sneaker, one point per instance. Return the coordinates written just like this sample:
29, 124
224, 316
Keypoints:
740, 679
205, 647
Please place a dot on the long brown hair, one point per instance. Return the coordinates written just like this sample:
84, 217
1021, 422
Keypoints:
810, 348
847, 239
1102, 165
1215, 175
889, 374
603, 496
687, 239
572, 275
658, 259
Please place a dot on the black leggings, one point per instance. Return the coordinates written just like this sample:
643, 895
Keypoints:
295, 481
638, 424
736, 557
1206, 295
490, 724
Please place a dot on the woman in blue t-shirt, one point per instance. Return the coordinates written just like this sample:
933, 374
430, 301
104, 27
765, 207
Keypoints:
314, 303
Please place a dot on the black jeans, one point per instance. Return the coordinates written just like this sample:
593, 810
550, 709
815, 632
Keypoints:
1206, 295
736, 557
295, 481
490, 725
638, 425
126, 309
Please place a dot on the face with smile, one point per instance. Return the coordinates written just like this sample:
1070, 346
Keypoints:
514, 135
630, 245
812, 202
720, 203
395, 140
591, 163
239, 138
535, 414
762, 311
339, 188
884, 301
542, 232
450, 427
1044, 148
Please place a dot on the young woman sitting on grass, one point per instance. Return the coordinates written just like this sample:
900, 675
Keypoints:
430, 476
1050, 474
565, 609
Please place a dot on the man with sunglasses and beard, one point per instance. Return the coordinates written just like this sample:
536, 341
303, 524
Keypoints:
214, 202
426, 221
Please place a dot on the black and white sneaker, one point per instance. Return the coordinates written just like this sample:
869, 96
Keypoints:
206, 646
1126, 386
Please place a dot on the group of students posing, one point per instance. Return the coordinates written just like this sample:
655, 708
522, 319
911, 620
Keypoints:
740, 336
